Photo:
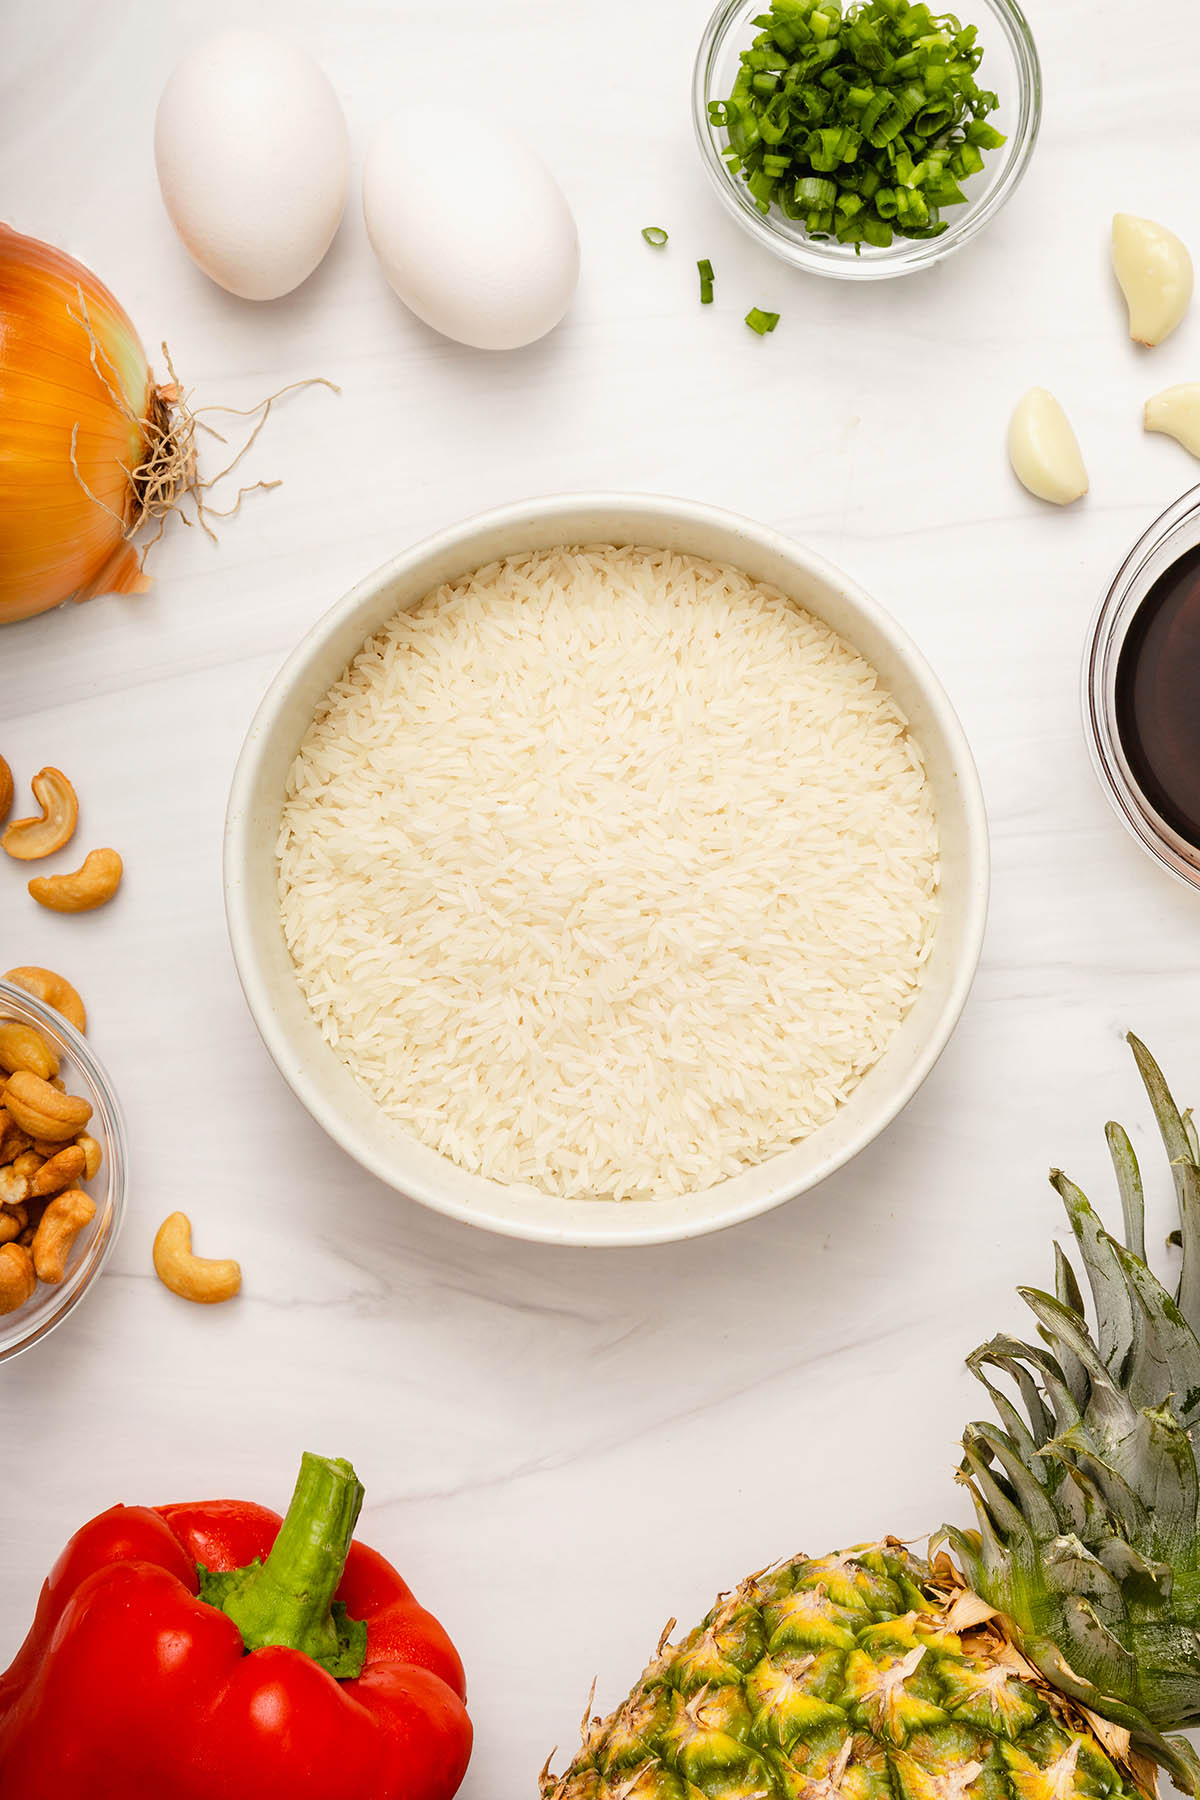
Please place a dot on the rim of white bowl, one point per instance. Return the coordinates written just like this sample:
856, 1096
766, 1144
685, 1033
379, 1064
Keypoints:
642, 1228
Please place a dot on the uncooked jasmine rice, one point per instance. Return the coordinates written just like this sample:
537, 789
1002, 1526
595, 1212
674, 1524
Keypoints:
608, 871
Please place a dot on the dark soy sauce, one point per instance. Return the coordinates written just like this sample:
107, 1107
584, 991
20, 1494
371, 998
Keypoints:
1158, 696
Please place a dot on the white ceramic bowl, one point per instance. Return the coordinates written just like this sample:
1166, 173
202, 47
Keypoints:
282, 1015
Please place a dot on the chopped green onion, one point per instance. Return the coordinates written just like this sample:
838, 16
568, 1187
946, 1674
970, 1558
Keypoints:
706, 281
859, 123
760, 321
985, 136
813, 191
654, 234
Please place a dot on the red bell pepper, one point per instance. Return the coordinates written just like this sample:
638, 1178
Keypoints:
215, 1652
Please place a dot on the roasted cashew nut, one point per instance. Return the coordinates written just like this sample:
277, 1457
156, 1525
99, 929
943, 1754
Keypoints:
14, 1186
191, 1277
52, 990
93, 1156
18, 1283
21, 1047
29, 839
84, 889
12, 1139
12, 1223
61, 1223
6, 790
58, 1173
42, 1111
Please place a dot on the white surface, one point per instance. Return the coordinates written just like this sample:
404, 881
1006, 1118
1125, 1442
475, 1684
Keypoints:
564, 1448
320, 1078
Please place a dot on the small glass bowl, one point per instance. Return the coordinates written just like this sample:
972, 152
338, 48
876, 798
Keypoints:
83, 1075
1177, 531
1010, 67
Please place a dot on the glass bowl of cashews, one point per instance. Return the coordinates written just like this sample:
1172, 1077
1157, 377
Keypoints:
62, 1158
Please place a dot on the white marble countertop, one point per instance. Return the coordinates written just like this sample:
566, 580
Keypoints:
561, 1448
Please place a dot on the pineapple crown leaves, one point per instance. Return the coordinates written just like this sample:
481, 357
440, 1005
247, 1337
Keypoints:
1087, 1493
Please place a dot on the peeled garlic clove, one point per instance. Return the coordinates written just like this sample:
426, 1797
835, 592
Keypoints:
1155, 273
1044, 450
1176, 413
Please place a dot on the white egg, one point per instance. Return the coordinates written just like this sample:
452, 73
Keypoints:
473, 231
253, 161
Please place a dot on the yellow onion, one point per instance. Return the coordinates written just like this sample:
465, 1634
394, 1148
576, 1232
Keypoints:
86, 448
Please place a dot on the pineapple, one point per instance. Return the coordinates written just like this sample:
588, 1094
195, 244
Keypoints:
1049, 1659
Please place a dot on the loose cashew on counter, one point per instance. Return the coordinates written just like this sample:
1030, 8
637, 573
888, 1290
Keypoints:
84, 888
195, 1278
52, 990
30, 839
6, 790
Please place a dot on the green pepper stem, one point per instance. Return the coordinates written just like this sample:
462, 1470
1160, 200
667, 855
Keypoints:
288, 1599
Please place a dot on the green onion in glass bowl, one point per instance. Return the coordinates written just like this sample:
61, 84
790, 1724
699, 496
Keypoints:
866, 138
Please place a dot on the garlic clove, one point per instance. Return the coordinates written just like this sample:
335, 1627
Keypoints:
1044, 450
1155, 272
1176, 413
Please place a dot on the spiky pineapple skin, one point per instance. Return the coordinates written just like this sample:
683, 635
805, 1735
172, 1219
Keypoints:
1087, 1496
837, 1679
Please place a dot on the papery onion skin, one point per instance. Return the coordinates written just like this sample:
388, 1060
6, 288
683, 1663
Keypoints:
65, 535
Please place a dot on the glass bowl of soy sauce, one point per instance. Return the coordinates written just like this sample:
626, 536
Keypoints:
1141, 690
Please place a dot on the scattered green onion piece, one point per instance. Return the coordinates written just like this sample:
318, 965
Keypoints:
654, 234
706, 281
760, 321
858, 118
